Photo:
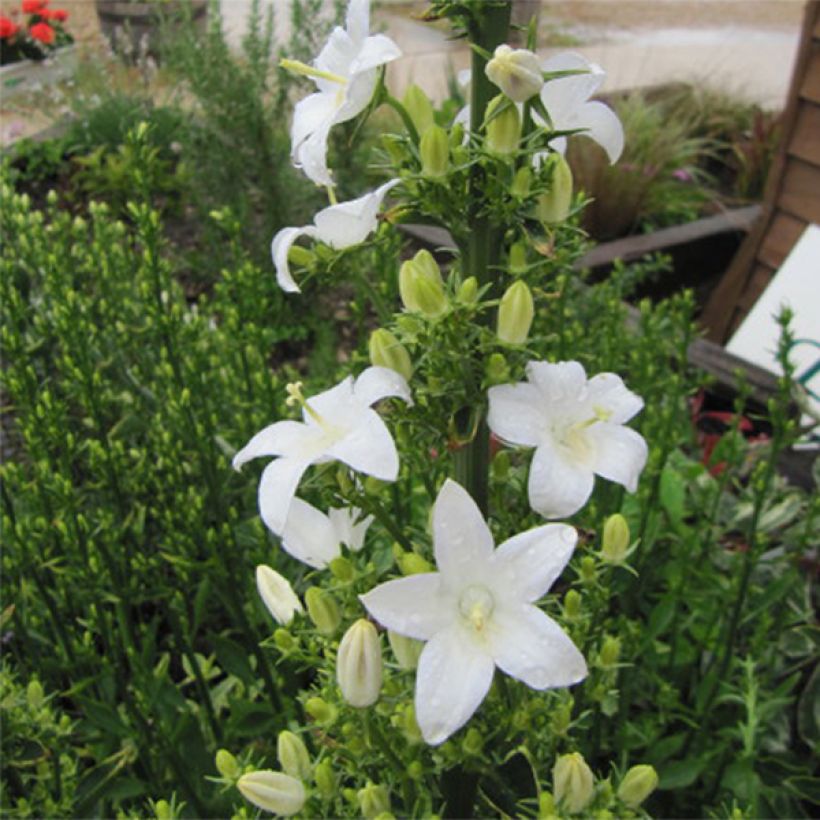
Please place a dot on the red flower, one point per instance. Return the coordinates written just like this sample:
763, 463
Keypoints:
60, 15
42, 32
34, 6
7, 27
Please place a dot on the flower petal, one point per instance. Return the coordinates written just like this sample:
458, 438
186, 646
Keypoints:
620, 453
454, 676
563, 97
349, 223
369, 448
375, 51
528, 645
515, 414
336, 404
414, 606
309, 535
557, 382
557, 486
534, 559
277, 487
350, 526
311, 156
309, 115
377, 383
604, 127
608, 392
462, 540
280, 247
279, 439
357, 21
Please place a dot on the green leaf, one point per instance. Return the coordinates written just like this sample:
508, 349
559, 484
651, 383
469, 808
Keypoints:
104, 717
673, 494
805, 787
232, 658
682, 773
808, 712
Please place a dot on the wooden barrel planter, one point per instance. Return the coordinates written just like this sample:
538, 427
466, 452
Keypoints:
136, 28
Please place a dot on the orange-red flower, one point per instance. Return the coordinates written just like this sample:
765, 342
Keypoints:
42, 32
7, 28
34, 6
60, 15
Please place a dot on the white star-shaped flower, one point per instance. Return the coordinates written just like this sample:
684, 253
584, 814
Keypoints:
340, 226
577, 429
345, 72
567, 102
477, 612
338, 424
315, 539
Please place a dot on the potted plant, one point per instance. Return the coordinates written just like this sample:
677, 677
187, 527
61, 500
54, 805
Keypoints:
37, 50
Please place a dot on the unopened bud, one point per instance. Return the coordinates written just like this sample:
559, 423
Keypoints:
34, 695
406, 650
324, 778
320, 710
572, 605
293, 755
341, 569
273, 791
588, 571
227, 765
473, 742
518, 258
420, 285
521, 183
387, 351
359, 664
546, 806
638, 783
419, 108
497, 369
411, 563
554, 205
373, 800
468, 291
162, 810
435, 152
515, 314
323, 610
615, 540
610, 651
572, 782
504, 128
277, 594
284, 640
517, 72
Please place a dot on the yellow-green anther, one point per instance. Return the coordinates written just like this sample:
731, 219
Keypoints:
434, 148
497, 369
293, 755
373, 800
421, 287
518, 258
572, 782
515, 314
468, 291
504, 129
323, 610
554, 205
406, 650
324, 778
227, 765
638, 783
615, 539
387, 351
522, 180
419, 108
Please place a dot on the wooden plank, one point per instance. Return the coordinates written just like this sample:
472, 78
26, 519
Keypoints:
805, 140
780, 237
800, 192
810, 88
758, 282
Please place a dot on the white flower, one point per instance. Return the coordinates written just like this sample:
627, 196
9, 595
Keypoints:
567, 102
338, 424
273, 791
277, 594
345, 72
577, 429
315, 538
477, 612
340, 226
516, 72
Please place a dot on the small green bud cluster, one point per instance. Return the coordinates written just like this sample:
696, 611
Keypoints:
421, 287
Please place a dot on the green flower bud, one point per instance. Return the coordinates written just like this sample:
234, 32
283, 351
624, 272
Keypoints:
497, 369
387, 351
610, 651
521, 183
227, 765
546, 806
515, 314
615, 539
284, 640
554, 205
409, 725
473, 742
406, 650
415, 771
588, 570
162, 810
297, 255
419, 108
504, 129
518, 258
273, 791
572, 605
34, 694
638, 783
420, 285
411, 563
561, 718
320, 710
501, 465
323, 610
468, 291
395, 148
572, 782
293, 755
373, 800
456, 140
342, 570
324, 778
435, 152
359, 665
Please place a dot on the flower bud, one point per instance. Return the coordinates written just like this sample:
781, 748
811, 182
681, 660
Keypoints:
554, 205
497, 369
504, 128
473, 742
277, 594
521, 183
610, 651
572, 782
588, 571
373, 800
284, 640
468, 291
320, 710
359, 664
518, 258
435, 152
421, 287
419, 108
293, 755
411, 563
297, 255
517, 72
387, 351
227, 765
273, 791
323, 610
572, 605
324, 778
162, 810
341, 569
546, 806
406, 650
515, 314
638, 783
34, 694
615, 540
